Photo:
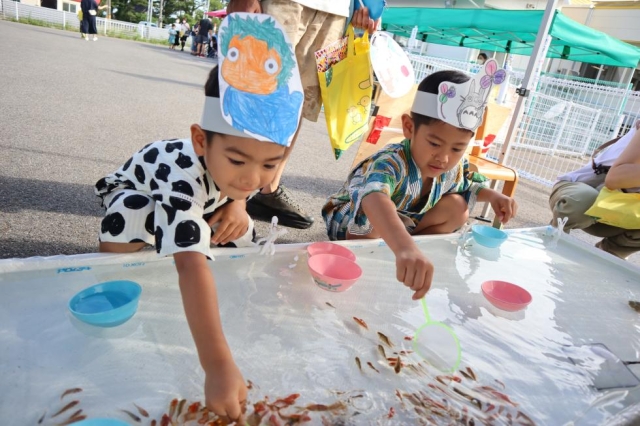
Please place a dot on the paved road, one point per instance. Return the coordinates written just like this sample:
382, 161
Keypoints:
72, 111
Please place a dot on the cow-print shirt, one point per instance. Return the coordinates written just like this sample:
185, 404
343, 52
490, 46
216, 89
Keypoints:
173, 175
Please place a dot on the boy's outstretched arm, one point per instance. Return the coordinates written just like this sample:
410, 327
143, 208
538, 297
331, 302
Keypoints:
225, 388
412, 267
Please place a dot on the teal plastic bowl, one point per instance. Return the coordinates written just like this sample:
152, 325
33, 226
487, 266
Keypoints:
107, 304
488, 236
101, 422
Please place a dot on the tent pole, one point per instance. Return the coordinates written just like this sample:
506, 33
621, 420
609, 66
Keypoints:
536, 61
531, 77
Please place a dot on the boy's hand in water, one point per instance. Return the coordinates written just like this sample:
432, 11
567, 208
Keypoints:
225, 391
414, 270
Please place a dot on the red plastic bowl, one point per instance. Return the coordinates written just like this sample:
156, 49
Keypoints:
506, 296
332, 272
330, 248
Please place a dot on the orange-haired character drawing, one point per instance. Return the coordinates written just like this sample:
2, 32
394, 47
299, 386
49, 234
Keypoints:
257, 65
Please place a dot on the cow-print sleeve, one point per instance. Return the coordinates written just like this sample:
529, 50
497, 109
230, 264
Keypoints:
179, 223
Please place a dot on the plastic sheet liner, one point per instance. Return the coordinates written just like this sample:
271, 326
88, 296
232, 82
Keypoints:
290, 337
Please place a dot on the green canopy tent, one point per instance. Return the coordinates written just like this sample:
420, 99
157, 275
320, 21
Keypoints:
521, 32
511, 31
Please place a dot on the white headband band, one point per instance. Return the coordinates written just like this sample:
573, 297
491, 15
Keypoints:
426, 104
213, 121
461, 104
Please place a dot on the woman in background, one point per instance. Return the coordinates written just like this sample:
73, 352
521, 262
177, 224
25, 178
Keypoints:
89, 11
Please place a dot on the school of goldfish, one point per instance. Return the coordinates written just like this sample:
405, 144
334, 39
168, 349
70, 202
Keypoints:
458, 398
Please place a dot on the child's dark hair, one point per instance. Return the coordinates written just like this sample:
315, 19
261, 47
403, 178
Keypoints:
431, 84
483, 56
212, 90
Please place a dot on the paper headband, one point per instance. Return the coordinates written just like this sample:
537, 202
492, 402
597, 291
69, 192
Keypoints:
461, 105
261, 93
213, 121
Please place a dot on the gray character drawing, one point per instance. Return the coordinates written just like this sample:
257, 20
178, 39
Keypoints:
472, 107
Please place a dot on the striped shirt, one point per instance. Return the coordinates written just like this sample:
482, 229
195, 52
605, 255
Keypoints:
392, 171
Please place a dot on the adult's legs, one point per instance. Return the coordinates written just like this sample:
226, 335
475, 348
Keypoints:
92, 29
83, 28
571, 200
202, 40
623, 244
308, 30
86, 25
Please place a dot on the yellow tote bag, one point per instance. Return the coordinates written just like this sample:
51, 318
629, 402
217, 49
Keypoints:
616, 208
346, 90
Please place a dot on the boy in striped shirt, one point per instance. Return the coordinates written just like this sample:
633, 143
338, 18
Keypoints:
421, 185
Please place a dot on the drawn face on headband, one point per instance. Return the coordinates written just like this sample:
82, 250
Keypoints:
260, 89
251, 66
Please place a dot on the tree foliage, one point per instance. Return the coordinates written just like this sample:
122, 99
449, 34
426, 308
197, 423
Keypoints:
129, 10
136, 10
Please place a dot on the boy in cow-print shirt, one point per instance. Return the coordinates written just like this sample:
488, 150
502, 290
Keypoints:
168, 195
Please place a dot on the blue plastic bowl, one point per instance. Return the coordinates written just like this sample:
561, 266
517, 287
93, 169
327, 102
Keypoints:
101, 422
488, 236
106, 304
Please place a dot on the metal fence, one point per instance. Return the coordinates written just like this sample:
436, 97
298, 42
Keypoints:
426, 65
565, 119
631, 114
67, 20
553, 137
609, 99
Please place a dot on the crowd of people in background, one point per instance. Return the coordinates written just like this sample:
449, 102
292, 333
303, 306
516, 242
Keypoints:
204, 41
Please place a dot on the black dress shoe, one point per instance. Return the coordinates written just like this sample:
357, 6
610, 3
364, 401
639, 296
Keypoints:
279, 203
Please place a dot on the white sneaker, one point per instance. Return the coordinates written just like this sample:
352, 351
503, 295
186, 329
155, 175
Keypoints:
95, 38
86, 38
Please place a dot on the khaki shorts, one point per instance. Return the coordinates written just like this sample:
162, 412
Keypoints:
572, 199
308, 30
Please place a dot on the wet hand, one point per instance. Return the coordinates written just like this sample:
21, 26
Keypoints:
504, 207
250, 6
233, 222
414, 270
225, 391
362, 20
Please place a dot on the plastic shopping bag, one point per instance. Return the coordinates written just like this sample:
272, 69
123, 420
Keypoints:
616, 208
346, 88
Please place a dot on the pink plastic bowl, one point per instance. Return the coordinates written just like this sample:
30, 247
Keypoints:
506, 296
330, 248
332, 272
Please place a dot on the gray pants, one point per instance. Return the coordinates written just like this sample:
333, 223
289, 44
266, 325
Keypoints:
572, 199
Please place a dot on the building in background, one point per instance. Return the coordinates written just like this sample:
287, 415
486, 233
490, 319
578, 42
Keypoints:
618, 19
